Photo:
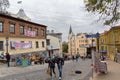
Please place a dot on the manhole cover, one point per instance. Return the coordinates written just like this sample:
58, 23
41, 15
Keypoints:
78, 72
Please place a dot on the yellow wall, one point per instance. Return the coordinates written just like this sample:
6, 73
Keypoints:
17, 51
111, 38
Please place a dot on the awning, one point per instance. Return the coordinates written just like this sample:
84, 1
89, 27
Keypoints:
103, 51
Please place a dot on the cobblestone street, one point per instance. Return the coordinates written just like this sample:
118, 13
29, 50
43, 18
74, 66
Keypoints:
38, 72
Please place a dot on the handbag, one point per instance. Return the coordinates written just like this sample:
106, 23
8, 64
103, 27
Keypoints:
48, 71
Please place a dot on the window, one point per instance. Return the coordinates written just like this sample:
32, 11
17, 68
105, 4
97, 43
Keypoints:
82, 36
43, 45
21, 29
12, 28
37, 45
30, 28
11, 46
1, 26
42, 32
1, 45
48, 42
36, 32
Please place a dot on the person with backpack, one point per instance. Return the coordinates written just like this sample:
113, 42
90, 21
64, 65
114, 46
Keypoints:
51, 65
8, 59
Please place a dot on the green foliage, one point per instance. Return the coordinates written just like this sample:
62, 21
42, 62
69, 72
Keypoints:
4, 4
109, 9
65, 48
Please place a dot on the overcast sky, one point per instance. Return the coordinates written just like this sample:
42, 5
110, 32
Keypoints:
59, 15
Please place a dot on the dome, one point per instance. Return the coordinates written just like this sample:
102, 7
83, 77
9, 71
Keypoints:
21, 14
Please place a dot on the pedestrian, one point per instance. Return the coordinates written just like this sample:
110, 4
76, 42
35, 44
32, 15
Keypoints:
8, 59
77, 58
60, 63
51, 65
73, 57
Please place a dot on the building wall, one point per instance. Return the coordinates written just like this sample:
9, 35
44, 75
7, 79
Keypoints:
71, 45
10, 20
55, 44
82, 42
26, 50
110, 41
7, 20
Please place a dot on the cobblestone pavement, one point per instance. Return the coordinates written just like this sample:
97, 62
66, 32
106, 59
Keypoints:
39, 73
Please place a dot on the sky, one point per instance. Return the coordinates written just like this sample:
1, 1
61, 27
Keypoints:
59, 15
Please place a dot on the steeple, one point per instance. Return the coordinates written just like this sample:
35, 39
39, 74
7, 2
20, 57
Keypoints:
70, 30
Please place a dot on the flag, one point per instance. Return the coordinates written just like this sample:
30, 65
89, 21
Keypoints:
19, 2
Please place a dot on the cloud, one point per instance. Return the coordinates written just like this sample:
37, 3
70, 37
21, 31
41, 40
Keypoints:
59, 15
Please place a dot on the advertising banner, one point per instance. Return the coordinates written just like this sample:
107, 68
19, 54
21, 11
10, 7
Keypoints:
19, 45
29, 33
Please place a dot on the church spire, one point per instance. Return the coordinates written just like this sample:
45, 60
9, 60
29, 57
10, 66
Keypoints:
70, 30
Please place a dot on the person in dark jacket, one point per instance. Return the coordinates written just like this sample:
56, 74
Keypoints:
8, 59
51, 65
60, 63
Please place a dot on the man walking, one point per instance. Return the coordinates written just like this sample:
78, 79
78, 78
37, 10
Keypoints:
60, 63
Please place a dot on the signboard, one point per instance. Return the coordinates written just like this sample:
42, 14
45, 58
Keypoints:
29, 33
19, 45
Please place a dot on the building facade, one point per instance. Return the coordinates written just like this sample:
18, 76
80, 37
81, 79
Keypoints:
54, 43
109, 42
18, 36
83, 42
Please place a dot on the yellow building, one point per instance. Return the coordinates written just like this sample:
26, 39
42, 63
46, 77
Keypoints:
109, 41
83, 42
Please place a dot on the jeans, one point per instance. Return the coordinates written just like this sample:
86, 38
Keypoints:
60, 70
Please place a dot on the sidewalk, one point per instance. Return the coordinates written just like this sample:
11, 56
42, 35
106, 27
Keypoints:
113, 72
6, 71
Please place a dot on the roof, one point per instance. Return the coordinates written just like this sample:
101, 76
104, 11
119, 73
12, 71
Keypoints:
92, 35
22, 14
19, 19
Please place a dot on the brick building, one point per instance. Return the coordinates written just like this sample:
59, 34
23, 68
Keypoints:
19, 36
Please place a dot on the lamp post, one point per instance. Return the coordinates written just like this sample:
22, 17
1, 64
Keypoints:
7, 44
51, 50
92, 53
60, 48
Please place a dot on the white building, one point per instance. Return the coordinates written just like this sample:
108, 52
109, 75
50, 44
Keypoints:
54, 43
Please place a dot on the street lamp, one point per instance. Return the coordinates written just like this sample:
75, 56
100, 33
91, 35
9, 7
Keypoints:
60, 48
51, 49
7, 44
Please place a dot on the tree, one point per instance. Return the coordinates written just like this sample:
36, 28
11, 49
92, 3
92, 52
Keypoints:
65, 48
108, 9
3, 5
